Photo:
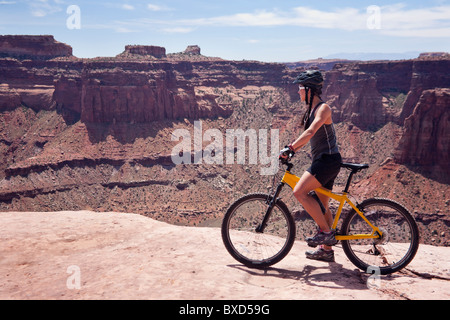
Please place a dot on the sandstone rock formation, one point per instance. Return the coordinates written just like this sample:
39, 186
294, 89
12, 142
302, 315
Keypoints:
192, 50
434, 55
111, 91
426, 139
374, 93
33, 47
146, 51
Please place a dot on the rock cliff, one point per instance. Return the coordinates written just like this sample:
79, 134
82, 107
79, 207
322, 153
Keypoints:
370, 94
426, 137
193, 50
33, 47
134, 87
152, 51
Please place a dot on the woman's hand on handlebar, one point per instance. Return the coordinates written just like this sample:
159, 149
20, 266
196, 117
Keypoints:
287, 153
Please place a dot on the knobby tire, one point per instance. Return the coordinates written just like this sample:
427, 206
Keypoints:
253, 249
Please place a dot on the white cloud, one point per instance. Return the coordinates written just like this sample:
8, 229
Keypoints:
178, 30
348, 18
155, 7
127, 7
428, 22
42, 8
396, 20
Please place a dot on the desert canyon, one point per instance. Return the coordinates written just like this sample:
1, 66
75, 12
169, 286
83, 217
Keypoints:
96, 134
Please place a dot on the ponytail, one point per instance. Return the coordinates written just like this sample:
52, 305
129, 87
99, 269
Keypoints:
307, 114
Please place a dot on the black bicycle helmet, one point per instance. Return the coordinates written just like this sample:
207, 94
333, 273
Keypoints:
311, 79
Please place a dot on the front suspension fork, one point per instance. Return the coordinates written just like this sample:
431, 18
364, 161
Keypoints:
262, 226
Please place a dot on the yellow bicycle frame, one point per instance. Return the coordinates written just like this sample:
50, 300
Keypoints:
291, 180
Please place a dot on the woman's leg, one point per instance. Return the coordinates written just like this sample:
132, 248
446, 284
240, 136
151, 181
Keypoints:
328, 216
325, 200
306, 184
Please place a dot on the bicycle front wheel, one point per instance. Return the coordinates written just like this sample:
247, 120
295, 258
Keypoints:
258, 249
396, 247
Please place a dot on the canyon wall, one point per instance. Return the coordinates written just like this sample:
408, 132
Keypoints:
426, 138
374, 93
33, 47
413, 94
140, 85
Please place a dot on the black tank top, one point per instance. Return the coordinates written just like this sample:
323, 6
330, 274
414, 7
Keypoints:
324, 141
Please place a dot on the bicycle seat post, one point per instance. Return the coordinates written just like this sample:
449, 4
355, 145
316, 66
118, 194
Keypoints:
349, 181
355, 168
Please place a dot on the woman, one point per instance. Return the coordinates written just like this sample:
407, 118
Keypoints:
326, 162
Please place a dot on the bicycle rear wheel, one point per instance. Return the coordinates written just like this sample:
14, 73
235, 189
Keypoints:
255, 249
398, 244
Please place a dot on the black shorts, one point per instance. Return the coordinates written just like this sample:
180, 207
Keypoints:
326, 168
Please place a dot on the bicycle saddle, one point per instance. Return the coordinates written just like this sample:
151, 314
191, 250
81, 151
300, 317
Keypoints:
354, 166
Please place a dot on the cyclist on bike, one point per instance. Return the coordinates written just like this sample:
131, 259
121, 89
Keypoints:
326, 161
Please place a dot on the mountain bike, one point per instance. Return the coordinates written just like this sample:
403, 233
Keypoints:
258, 229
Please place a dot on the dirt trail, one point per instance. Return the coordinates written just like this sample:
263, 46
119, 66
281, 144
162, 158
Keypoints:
128, 256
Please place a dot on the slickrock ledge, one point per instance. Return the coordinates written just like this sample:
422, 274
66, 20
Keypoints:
129, 256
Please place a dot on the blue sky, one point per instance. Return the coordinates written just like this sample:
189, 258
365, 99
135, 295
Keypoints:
274, 31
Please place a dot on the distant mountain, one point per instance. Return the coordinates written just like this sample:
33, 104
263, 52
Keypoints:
367, 56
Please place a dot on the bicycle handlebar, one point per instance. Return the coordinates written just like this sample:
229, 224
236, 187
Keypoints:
285, 161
